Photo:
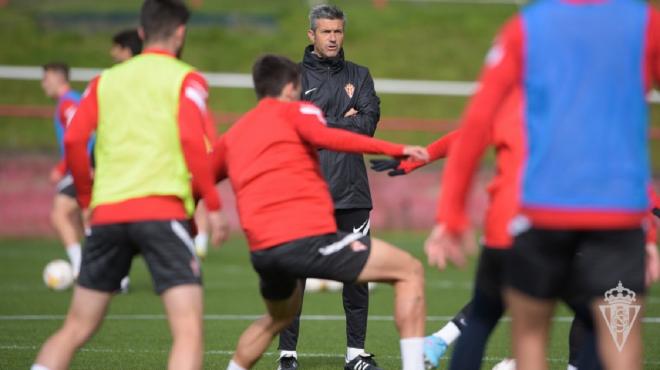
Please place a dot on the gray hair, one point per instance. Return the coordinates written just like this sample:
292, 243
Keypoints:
325, 11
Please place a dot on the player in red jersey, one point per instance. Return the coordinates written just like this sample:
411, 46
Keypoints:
65, 215
270, 157
148, 114
478, 320
579, 214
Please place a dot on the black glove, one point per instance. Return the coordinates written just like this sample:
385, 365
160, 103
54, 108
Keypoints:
655, 211
380, 165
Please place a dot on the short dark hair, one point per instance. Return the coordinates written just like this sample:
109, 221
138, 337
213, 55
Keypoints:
271, 73
59, 67
160, 18
325, 11
129, 39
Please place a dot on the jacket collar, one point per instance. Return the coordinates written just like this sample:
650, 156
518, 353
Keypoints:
313, 61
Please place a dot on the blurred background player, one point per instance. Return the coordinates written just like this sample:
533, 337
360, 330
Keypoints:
345, 93
286, 211
125, 45
586, 161
476, 321
142, 196
65, 215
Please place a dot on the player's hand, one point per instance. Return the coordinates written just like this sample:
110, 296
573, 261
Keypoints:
652, 264
416, 152
442, 246
394, 165
351, 112
219, 227
55, 176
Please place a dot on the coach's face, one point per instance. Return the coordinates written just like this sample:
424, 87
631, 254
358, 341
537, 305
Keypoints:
328, 37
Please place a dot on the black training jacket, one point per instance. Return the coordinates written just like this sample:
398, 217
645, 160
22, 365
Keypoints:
336, 86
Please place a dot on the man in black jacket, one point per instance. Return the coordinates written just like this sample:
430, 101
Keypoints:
345, 92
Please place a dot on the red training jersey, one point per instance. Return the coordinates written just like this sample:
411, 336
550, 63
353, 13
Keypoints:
66, 109
508, 138
270, 156
501, 75
193, 126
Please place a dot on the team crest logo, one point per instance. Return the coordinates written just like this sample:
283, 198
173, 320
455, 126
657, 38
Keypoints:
350, 89
619, 313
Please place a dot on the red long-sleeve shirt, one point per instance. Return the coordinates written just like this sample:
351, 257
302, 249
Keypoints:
502, 74
65, 112
192, 122
270, 157
508, 139
437, 150
651, 225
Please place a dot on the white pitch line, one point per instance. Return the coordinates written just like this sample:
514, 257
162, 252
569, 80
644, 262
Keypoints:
211, 317
229, 353
244, 81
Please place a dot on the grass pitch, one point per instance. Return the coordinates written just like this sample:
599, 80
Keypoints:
135, 334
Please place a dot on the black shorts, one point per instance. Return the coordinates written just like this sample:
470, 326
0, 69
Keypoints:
65, 187
339, 256
490, 271
166, 247
583, 264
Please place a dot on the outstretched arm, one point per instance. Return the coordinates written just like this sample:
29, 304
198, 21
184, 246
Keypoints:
311, 126
437, 150
500, 75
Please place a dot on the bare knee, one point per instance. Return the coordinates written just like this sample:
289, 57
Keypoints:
415, 271
282, 320
279, 319
187, 329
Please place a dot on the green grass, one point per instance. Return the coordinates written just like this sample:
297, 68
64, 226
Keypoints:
419, 41
425, 41
231, 288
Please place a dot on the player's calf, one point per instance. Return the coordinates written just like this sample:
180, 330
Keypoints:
257, 337
389, 264
85, 315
